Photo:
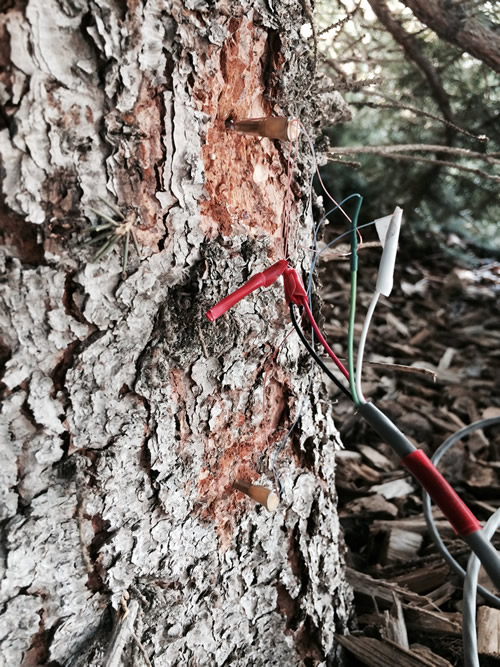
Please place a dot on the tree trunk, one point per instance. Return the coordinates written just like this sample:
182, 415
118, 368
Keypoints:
126, 414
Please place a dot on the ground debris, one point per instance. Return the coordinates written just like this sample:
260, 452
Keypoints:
443, 318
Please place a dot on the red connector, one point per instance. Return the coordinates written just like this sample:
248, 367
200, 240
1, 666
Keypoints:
262, 279
294, 289
294, 293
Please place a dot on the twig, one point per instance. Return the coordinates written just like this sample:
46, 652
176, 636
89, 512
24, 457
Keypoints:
490, 158
346, 163
342, 251
339, 25
425, 114
401, 368
142, 649
441, 163
350, 84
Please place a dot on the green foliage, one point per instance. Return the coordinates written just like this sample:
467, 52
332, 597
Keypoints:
435, 198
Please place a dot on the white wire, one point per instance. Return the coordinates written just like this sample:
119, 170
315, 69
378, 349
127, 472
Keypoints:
362, 341
469, 635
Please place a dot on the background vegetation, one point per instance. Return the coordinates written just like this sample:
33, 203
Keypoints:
409, 86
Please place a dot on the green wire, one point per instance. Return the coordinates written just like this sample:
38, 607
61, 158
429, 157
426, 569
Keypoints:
352, 309
350, 339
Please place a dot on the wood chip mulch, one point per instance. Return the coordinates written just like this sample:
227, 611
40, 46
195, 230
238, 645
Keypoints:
434, 367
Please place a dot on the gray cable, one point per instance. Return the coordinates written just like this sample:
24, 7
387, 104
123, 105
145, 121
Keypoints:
386, 429
438, 454
469, 635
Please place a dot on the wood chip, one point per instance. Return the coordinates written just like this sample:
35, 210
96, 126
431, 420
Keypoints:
441, 594
426, 652
420, 337
376, 458
435, 622
393, 321
353, 474
446, 359
375, 505
381, 653
401, 545
488, 631
424, 579
419, 287
482, 477
415, 524
395, 626
396, 488
381, 589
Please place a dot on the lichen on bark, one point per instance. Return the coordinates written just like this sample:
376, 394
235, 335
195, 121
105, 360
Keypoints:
126, 415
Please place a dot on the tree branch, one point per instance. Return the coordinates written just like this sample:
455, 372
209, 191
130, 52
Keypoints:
475, 34
443, 163
432, 161
413, 53
425, 114
490, 158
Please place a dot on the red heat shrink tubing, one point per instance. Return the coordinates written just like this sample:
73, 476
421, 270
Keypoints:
455, 510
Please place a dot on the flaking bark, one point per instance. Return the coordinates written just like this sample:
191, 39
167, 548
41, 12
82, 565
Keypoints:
126, 415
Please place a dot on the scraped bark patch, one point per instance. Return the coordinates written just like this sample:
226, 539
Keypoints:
240, 448
244, 176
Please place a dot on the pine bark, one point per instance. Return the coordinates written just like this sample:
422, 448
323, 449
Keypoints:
126, 415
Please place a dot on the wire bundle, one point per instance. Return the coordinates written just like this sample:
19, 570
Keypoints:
416, 461
479, 540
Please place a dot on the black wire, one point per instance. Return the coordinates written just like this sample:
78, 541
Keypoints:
313, 354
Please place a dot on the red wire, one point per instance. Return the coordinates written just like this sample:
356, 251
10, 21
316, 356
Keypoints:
323, 342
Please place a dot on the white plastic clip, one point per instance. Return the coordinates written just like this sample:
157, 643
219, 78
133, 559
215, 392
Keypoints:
388, 232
